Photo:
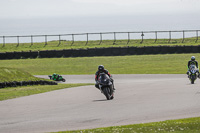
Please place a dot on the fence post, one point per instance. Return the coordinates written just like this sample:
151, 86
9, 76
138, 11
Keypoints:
87, 39
128, 38
183, 36
156, 36
59, 40
4, 41
169, 36
197, 36
100, 38
142, 37
17, 41
114, 38
45, 40
31, 40
72, 39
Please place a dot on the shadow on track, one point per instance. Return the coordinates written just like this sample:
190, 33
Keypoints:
100, 100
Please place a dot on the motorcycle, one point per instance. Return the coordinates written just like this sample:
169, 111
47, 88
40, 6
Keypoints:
193, 73
106, 86
60, 78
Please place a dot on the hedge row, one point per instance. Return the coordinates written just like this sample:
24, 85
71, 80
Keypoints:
25, 83
114, 51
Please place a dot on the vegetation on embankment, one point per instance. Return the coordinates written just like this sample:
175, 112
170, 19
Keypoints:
54, 45
189, 125
13, 74
136, 64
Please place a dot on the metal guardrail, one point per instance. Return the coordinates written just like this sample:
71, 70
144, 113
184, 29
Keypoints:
141, 33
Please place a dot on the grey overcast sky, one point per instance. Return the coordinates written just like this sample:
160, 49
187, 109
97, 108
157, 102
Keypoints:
63, 8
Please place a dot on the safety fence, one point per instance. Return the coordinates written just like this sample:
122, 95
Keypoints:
112, 51
128, 36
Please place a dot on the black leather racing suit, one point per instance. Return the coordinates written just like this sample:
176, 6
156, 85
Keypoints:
97, 76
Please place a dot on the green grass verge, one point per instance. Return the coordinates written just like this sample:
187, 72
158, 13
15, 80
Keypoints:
135, 64
14, 92
13, 74
53, 45
189, 125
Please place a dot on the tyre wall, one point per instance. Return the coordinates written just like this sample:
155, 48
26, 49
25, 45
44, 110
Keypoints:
25, 83
114, 51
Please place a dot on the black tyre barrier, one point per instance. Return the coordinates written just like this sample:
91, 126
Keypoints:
116, 51
132, 50
196, 49
83, 52
17, 55
25, 83
172, 50
75, 53
51, 54
188, 49
112, 51
100, 52
148, 50
29, 54
156, 50
67, 52
106, 52
181, 49
124, 51
164, 49
2, 56
92, 52
10, 55
140, 50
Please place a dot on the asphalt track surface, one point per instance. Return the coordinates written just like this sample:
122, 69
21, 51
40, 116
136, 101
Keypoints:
138, 99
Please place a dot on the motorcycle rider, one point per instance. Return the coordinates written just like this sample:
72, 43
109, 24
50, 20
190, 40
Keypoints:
193, 62
102, 70
55, 76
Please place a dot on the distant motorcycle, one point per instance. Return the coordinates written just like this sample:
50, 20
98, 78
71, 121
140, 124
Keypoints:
60, 78
193, 73
106, 86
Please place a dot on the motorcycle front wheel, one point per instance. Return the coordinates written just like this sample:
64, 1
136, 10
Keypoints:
106, 93
192, 79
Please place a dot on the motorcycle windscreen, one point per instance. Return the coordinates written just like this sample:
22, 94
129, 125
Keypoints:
103, 78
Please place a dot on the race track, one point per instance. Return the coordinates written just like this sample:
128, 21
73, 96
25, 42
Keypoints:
138, 99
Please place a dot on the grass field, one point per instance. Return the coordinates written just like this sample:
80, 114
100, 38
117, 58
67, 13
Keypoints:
53, 45
189, 125
136, 64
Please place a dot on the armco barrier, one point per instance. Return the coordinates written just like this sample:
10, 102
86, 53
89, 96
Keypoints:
25, 83
113, 51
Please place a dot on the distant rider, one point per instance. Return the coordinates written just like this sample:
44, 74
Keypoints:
55, 76
193, 62
101, 70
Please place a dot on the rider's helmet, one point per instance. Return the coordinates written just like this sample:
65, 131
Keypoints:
54, 74
101, 68
193, 58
